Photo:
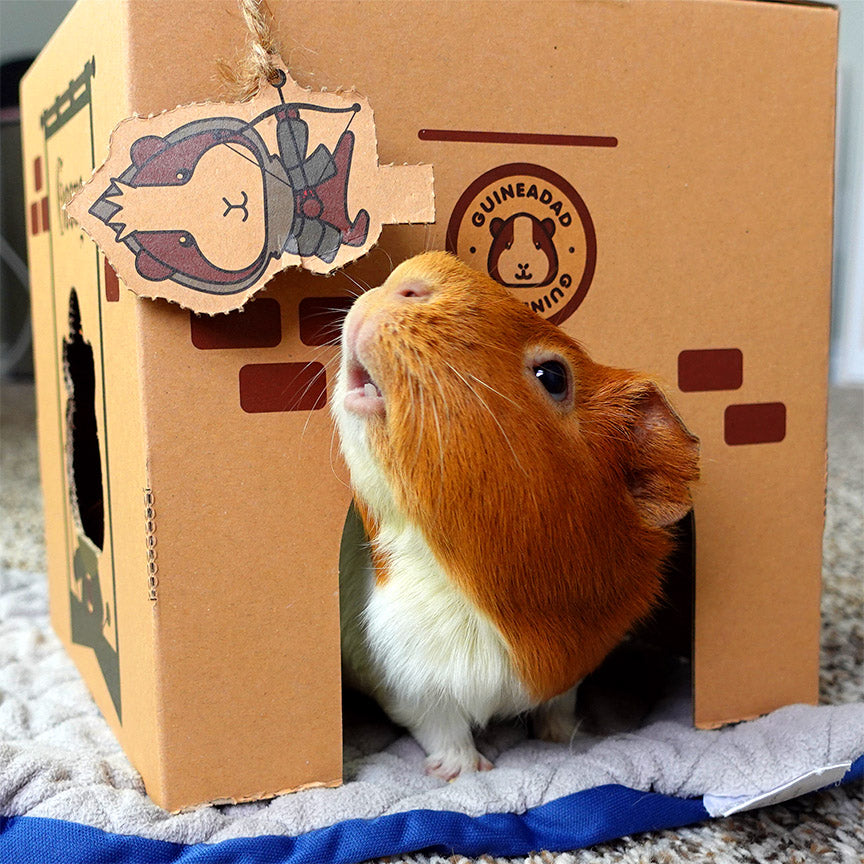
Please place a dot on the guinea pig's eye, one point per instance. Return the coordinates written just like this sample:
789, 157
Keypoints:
536, 245
183, 174
553, 376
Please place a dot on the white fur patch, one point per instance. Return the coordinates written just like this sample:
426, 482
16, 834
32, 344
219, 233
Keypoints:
428, 644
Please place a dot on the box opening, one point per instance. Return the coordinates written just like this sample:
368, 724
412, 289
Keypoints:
655, 659
83, 459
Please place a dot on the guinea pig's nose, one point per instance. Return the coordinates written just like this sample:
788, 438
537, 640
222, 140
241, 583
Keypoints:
412, 289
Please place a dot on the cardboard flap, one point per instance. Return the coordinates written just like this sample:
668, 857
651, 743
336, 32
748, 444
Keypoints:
203, 204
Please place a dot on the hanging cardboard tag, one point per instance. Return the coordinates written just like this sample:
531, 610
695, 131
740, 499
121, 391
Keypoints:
203, 204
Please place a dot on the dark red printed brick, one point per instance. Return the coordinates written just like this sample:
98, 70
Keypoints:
112, 284
756, 423
257, 325
710, 369
45, 223
267, 387
37, 173
321, 319
34, 218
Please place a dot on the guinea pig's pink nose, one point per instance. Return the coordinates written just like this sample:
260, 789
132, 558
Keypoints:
412, 289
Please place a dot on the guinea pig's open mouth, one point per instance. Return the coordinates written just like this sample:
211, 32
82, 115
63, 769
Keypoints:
363, 396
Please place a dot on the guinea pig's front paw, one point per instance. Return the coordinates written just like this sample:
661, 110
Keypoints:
449, 764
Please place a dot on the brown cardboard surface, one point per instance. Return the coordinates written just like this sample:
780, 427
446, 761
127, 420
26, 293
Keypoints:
698, 137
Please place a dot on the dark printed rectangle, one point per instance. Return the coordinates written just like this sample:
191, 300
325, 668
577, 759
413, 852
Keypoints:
268, 387
112, 284
710, 369
478, 136
321, 319
257, 325
756, 423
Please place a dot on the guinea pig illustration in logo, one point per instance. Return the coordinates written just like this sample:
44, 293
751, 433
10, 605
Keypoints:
522, 254
532, 232
209, 206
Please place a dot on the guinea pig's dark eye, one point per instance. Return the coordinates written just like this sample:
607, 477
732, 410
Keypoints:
553, 376
182, 174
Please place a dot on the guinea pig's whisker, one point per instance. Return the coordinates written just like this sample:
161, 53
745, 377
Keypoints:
435, 415
435, 404
362, 287
491, 414
385, 252
330, 454
305, 391
440, 441
441, 391
496, 392
421, 398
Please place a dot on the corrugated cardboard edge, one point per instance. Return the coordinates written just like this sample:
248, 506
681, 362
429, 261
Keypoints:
262, 796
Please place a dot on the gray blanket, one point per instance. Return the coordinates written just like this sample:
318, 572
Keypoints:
59, 759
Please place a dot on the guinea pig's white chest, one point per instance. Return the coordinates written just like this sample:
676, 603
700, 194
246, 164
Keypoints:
429, 641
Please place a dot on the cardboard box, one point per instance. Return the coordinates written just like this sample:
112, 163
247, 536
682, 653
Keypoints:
683, 151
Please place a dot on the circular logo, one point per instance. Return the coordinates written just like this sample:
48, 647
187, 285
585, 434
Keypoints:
529, 229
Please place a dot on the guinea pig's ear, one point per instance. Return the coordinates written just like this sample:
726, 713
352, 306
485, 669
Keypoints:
549, 226
664, 458
495, 226
660, 456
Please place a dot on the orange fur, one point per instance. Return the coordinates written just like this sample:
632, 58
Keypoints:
550, 518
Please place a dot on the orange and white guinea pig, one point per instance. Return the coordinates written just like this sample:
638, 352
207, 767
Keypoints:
516, 497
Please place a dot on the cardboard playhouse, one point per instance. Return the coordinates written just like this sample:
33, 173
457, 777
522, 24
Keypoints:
682, 153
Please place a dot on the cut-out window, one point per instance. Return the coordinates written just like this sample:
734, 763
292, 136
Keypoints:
83, 459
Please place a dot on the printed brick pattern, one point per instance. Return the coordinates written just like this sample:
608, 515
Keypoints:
39, 220
257, 325
703, 370
711, 369
321, 319
112, 284
270, 387
273, 387
755, 423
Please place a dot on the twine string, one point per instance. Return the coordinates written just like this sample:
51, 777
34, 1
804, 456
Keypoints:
259, 63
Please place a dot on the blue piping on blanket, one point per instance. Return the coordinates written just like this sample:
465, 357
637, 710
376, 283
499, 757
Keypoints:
572, 822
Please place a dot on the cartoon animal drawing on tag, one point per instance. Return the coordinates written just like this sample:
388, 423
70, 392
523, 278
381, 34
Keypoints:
208, 205
204, 203
522, 254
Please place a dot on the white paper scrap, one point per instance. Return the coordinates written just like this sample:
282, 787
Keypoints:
818, 778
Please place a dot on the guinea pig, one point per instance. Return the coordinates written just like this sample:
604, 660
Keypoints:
515, 499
